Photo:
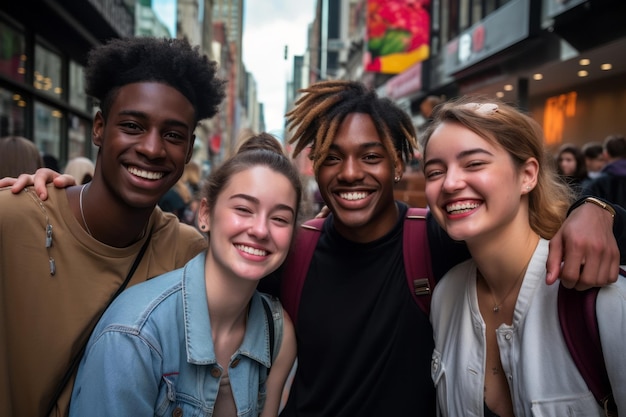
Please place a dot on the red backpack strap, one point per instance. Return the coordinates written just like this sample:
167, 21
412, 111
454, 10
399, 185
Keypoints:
417, 261
297, 265
579, 324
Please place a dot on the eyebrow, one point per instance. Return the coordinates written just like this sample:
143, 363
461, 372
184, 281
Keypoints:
257, 201
143, 115
460, 155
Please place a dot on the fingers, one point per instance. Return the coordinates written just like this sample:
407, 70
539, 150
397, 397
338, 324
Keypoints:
7, 181
22, 182
555, 255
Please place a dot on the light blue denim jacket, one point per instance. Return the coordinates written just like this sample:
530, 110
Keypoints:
152, 353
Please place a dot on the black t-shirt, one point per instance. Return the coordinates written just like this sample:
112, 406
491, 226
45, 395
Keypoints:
364, 346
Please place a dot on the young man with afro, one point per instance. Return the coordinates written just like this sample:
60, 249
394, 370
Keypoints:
364, 345
63, 259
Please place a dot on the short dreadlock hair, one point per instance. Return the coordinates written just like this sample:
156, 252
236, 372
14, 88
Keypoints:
145, 59
322, 108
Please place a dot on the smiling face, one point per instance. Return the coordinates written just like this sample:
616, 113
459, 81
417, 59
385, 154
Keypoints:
473, 187
356, 180
144, 143
251, 225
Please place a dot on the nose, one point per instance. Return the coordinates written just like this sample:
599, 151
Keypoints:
152, 145
258, 227
351, 170
454, 180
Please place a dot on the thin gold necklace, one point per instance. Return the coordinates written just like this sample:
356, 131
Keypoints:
496, 304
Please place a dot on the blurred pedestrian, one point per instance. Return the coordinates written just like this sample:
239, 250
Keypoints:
594, 158
63, 260
571, 167
18, 155
201, 331
80, 168
611, 184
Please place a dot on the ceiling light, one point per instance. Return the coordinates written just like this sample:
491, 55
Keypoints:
584, 62
499, 94
508, 87
606, 67
582, 73
537, 77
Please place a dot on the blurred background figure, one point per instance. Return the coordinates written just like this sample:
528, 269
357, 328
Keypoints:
18, 155
183, 198
611, 184
594, 158
80, 168
570, 164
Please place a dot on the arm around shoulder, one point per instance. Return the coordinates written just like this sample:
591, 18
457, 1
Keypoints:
280, 369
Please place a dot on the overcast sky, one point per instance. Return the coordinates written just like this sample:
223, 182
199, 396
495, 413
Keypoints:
268, 27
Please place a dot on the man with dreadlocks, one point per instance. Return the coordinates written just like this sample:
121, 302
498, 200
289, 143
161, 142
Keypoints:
364, 346
62, 260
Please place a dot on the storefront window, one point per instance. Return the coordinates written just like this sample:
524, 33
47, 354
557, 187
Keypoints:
79, 138
48, 76
12, 53
12, 113
78, 97
48, 129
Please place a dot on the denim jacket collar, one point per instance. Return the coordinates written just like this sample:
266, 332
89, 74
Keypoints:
198, 337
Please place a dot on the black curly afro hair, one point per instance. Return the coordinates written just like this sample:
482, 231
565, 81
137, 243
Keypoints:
144, 59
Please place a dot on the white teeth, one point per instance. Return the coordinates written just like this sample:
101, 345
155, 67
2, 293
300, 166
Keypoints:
461, 207
145, 174
353, 196
251, 251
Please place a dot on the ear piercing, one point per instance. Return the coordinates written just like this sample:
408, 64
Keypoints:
396, 179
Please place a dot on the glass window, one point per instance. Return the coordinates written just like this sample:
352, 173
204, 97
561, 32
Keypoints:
47, 76
12, 53
48, 129
79, 139
78, 97
12, 113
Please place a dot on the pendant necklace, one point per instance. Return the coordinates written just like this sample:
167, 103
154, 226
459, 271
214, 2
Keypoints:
496, 304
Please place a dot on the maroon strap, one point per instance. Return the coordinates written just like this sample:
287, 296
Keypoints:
417, 261
297, 265
579, 324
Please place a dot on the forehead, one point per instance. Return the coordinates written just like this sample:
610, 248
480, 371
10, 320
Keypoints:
261, 182
153, 98
357, 129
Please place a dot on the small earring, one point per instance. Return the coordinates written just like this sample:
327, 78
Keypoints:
528, 188
396, 179
203, 227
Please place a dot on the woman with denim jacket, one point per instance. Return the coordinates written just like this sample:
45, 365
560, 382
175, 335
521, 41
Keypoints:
196, 341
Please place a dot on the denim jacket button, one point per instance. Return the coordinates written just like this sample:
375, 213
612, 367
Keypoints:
178, 412
235, 363
215, 372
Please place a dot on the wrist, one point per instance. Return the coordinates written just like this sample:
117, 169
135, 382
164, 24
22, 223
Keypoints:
601, 204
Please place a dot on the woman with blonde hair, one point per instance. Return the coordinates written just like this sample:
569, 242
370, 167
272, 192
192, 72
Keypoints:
489, 183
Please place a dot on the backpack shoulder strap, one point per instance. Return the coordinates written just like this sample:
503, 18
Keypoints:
417, 261
579, 325
297, 265
274, 315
